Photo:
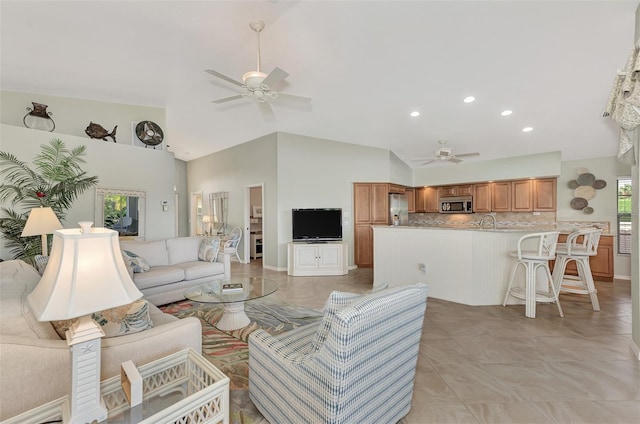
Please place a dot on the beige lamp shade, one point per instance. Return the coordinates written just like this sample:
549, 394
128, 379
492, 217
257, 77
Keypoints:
206, 219
41, 221
85, 274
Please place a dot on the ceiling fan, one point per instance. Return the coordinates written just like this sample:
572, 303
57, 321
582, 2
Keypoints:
257, 84
444, 154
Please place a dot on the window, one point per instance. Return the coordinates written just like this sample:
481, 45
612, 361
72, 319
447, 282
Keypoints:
624, 216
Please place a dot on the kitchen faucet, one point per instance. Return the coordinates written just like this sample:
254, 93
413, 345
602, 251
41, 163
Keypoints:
488, 215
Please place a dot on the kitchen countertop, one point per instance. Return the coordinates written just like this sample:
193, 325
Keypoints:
498, 229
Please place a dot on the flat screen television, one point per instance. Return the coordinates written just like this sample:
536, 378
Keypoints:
313, 225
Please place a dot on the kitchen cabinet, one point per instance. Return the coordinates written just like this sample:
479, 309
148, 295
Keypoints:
447, 191
396, 189
522, 196
501, 196
317, 259
371, 207
411, 199
545, 194
482, 198
457, 190
601, 264
427, 199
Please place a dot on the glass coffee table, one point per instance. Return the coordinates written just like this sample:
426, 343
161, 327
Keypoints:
232, 294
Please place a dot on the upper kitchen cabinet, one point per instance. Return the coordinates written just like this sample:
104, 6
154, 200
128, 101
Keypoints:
411, 199
545, 194
501, 196
522, 196
361, 203
534, 195
427, 199
482, 197
457, 190
396, 189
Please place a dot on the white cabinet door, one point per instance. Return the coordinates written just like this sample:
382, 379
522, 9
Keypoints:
330, 256
306, 257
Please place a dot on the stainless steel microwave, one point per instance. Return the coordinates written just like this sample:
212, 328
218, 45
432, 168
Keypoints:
462, 204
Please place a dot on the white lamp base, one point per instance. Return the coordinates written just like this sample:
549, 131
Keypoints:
86, 402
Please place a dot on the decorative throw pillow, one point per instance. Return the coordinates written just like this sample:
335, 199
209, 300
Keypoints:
138, 263
208, 250
40, 263
335, 302
127, 319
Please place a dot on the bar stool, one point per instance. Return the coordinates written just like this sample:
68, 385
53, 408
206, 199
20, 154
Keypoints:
534, 252
580, 246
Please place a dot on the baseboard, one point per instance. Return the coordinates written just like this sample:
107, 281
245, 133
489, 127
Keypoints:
635, 350
273, 268
622, 277
352, 267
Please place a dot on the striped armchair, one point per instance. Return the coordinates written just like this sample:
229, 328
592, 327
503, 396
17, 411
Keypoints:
356, 366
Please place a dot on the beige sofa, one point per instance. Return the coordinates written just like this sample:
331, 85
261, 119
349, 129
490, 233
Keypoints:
35, 363
174, 267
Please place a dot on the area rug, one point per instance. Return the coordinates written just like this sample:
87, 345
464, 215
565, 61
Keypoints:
229, 351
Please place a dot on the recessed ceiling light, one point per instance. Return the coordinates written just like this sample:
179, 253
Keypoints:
469, 99
415, 113
527, 129
506, 112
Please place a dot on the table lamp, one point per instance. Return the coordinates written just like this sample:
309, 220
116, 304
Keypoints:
41, 221
85, 274
206, 224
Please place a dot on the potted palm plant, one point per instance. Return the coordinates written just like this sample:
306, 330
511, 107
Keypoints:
55, 181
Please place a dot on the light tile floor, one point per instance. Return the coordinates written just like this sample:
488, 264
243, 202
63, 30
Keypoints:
490, 364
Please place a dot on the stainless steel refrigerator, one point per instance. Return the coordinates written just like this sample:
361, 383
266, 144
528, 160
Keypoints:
398, 209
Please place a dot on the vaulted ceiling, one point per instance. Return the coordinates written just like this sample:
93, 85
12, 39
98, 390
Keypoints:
365, 64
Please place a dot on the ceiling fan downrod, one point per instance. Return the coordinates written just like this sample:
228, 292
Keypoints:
253, 79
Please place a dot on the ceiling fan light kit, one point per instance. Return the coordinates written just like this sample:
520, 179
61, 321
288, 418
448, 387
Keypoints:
257, 84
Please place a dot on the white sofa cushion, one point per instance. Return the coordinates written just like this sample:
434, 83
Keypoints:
183, 249
154, 252
200, 269
17, 280
158, 276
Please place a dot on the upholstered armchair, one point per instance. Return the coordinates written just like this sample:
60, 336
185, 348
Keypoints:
356, 366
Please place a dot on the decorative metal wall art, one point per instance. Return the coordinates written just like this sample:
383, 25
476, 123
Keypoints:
584, 189
149, 133
38, 118
98, 131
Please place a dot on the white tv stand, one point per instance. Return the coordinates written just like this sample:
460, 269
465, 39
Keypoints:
330, 258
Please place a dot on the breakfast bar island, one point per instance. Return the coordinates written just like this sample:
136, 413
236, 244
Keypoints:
462, 265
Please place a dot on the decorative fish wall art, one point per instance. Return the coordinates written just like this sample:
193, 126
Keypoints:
98, 131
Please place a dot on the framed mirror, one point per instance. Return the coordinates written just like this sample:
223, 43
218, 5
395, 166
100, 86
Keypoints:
121, 210
218, 208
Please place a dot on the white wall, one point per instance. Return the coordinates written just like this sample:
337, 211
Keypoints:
230, 170
183, 198
319, 173
116, 165
399, 172
604, 204
541, 165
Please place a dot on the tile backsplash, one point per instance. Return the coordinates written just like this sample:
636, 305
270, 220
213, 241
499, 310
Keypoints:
543, 221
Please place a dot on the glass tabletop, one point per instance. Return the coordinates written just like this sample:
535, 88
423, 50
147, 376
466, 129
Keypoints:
238, 289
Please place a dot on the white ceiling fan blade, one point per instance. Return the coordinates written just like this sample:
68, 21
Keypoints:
228, 99
224, 77
421, 159
427, 162
265, 108
454, 160
294, 98
466, 155
275, 77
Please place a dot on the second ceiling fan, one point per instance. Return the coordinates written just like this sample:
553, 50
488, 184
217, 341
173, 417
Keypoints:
257, 84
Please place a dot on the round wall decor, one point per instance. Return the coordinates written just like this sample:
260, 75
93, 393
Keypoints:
584, 189
149, 133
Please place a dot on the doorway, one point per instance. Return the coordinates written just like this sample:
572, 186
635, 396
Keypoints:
254, 219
